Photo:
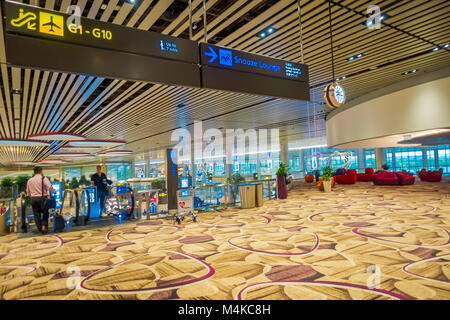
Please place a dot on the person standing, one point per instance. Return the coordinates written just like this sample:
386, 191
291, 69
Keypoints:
101, 182
39, 188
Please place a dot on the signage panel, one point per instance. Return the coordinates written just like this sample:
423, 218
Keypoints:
64, 57
57, 186
44, 39
238, 71
38, 22
246, 62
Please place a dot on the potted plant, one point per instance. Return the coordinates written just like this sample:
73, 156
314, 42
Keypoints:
233, 183
83, 181
281, 181
74, 183
159, 184
385, 167
6, 184
21, 182
327, 177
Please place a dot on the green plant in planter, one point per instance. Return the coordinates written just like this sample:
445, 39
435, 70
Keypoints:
6, 187
21, 182
158, 184
83, 181
282, 170
233, 181
235, 178
327, 174
7, 183
385, 166
74, 183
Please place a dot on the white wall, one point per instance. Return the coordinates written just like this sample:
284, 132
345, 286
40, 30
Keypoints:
421, 107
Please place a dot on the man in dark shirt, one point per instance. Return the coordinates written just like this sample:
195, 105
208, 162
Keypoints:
101, 182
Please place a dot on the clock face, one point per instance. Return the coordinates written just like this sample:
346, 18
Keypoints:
339, 94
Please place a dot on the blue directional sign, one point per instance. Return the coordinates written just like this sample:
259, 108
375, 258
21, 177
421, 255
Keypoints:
239, 71
247, 62
211, 53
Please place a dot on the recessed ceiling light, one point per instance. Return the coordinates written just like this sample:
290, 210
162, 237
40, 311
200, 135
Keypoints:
265, 32
446, 46
359, 55
103, 6
409, 72
16, 91
435, 49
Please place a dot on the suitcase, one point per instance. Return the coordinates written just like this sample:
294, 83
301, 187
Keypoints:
59, 223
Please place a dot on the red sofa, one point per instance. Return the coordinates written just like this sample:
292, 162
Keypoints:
430, 176
367, 176
348, 178
405, 178
385, 178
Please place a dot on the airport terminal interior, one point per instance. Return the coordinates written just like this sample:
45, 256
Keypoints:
225, 150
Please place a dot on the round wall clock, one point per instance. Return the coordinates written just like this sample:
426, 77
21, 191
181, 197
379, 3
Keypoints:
334, 95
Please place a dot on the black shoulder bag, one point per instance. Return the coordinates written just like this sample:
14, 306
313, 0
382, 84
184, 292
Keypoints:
46, 202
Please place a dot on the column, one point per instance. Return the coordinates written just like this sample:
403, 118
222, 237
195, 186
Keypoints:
425, 161
393, 160
147, 164
379, 158
301, 163
436, 158
171, 179
284, 157
229, 162
361, 159
258, 165
192, 165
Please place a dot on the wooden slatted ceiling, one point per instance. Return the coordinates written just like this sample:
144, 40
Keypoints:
133, 111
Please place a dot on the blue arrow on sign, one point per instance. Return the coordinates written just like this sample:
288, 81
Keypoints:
211, 54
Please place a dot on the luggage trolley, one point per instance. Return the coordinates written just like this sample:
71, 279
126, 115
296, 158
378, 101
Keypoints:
185, 204
120, 203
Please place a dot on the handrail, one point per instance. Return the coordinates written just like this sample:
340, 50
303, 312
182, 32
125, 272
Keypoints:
88, 216
23, 212
74, 193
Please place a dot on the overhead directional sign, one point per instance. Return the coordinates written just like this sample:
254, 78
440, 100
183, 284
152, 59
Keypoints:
229, 69
93, 42
50, 40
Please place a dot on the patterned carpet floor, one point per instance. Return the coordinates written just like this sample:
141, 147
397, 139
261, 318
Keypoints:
359, 242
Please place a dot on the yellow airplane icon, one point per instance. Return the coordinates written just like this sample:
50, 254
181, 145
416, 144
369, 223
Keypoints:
51, 24
25, 18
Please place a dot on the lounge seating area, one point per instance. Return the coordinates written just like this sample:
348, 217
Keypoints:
349, 177
430, 176
343, 176
393, 178
366, 176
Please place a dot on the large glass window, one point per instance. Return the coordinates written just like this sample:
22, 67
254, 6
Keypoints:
444, 158
389, 158
70, 173
409, 159
118, 172
431, 159
369, 159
